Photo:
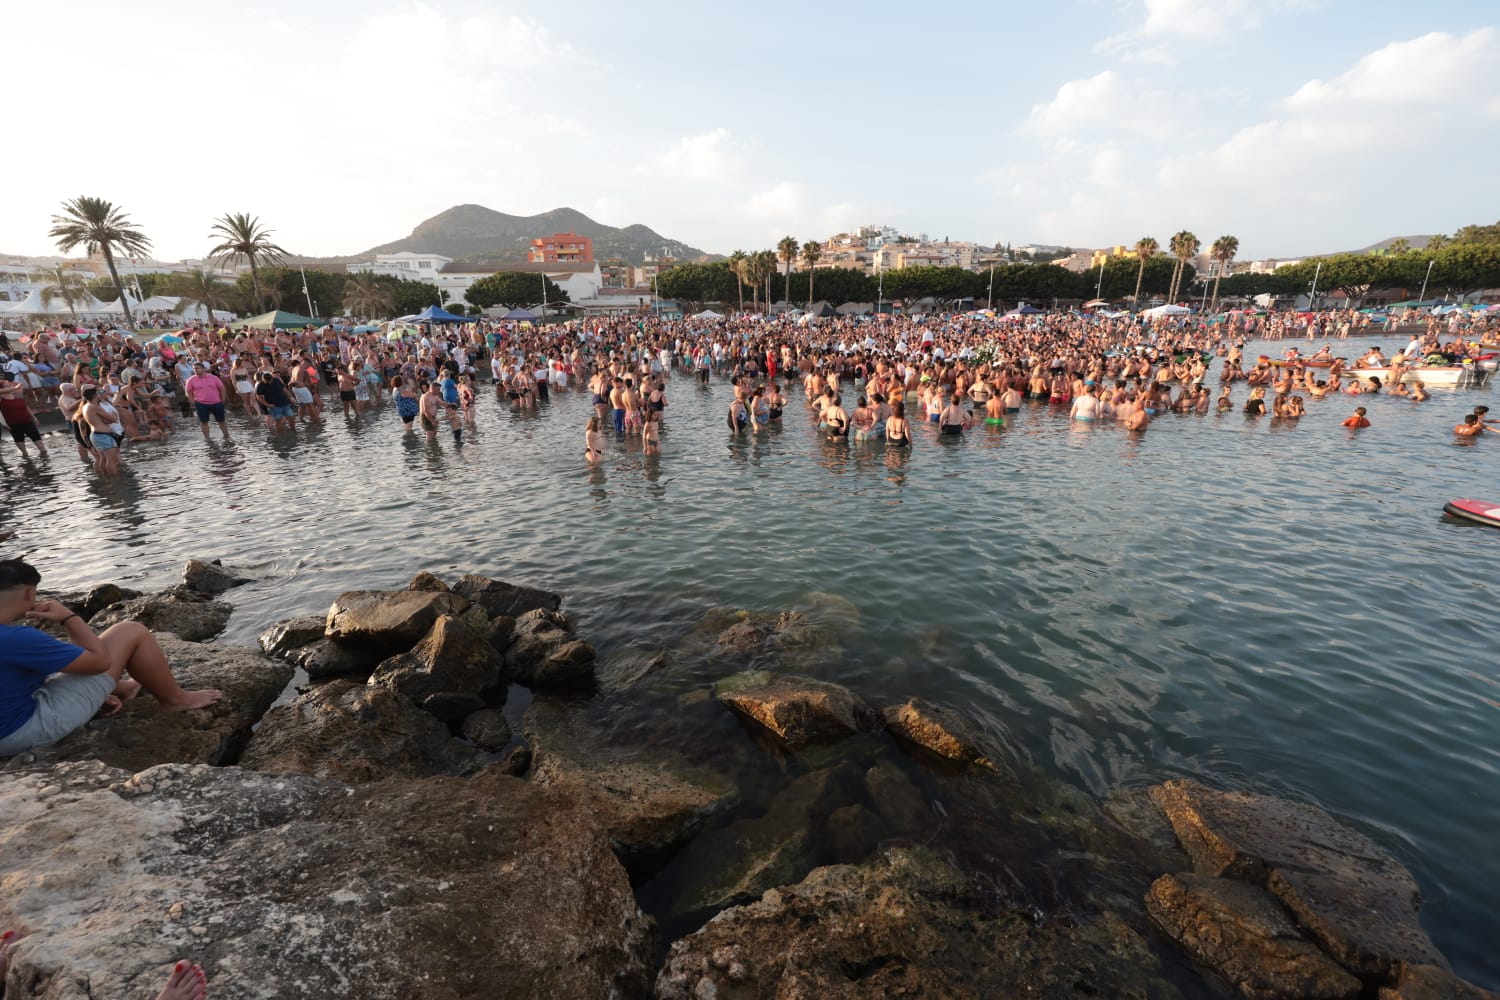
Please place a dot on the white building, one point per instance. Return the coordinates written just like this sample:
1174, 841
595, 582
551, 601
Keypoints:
406, 264
579, 279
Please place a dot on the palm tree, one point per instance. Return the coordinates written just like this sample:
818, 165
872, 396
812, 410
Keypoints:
1145, 248
763, 266
60, 283
245, 241
366, 297
812, 250
1399, 245
100, 228
201, 288
737, 265
1223, 251
1184, 247
787, 251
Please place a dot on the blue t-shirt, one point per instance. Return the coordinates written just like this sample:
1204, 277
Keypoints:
28, 657
450, 391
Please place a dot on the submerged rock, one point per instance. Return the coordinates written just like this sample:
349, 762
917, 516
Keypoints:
287, 885
212, 578
446, 673
796, 709
141, 736
388, 620
908, 925
355, 733
938, 729
500, 599
1241, 932
1354, 899
180, 611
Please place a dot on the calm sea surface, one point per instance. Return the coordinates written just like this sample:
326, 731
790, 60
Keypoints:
1263, 604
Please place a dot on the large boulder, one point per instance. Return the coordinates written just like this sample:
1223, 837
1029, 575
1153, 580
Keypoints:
500, 599
649, 800
447, 673
938, 729
796, 709
391, 621
212, 578
287, 885
183, 612
141, 736
1355, 900
907, 925
1242, 933
545, 653
355, 733
324, 658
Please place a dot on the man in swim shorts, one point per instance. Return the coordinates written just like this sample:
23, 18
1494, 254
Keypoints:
207, 393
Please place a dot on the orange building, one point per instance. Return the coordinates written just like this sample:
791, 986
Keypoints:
564, 248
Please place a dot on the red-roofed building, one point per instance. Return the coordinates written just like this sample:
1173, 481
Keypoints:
561, 248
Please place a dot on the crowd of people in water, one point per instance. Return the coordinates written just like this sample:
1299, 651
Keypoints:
112, 389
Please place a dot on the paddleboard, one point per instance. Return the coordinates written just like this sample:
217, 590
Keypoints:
1478, 511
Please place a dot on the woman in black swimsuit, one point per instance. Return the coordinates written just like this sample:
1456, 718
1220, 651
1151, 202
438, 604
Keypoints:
897, 430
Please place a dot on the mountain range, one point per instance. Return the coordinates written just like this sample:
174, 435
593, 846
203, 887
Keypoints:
473, 232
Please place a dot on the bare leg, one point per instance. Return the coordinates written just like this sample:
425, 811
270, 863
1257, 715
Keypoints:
132, 648
187, 982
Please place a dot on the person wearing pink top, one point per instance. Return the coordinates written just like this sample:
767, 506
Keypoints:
206, 390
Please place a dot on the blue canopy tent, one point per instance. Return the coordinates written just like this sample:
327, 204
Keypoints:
437, 314
519, 314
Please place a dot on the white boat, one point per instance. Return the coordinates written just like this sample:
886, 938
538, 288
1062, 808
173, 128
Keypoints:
1445, 376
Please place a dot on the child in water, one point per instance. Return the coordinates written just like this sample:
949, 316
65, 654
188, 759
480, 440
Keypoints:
1358, 420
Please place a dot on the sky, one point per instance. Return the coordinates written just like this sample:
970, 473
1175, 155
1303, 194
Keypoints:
1299, 126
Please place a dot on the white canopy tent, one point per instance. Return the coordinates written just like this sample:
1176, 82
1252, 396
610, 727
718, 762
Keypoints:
708, 314
1166, 310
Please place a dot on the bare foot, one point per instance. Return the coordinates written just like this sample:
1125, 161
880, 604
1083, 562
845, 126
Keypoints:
191, 700
187, 982
8, 940
126, 689
111, 706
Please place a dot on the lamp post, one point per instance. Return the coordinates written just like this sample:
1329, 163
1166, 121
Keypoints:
1423, 297
1099, 288
880, 287
1313, 295
990, 297
544, 298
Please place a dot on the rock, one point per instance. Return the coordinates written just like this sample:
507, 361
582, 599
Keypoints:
289, 885
899, 802
545, 654
741, 637
516, 761
388, 620
182, 612
498, 598
324, 658
649, 799
854, 831
90, 603
355, 733
140, 736
487, 729
284, 638
427, 582
938, 729
796, 709
1428, 982
907, 925
450, 660
1240, 932
212, 578
1353, 898
738, 862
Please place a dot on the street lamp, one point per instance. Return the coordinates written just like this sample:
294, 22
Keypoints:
1313, 295
544, 298
1423, 296
990, 298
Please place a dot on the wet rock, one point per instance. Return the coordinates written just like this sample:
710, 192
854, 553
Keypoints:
854, 831
212, 578
629, 667
140, 736
287, 885
504, 599
1355, 900
516, 761
938, 729
1428, 982
284, 638
545, 654
389, 620
427, 582
450, 660
738, 862
908, 925
741, 637
354, 733
1241, 932
486, 729
324, 658
180, 611
90, 603
796, 709
899, 802
649, 799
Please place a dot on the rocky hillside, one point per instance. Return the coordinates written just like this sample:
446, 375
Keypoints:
473, 232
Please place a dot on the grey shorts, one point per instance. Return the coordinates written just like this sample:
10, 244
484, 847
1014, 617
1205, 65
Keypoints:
63, 704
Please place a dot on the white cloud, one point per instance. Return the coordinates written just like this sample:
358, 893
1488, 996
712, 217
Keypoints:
1190, 21
279, 26
1429, 70
1107, 103
712, 156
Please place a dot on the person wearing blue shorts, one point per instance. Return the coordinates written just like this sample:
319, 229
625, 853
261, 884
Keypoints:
49, 688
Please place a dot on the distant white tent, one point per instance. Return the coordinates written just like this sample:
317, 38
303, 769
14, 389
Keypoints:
1166, 310
708, 314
